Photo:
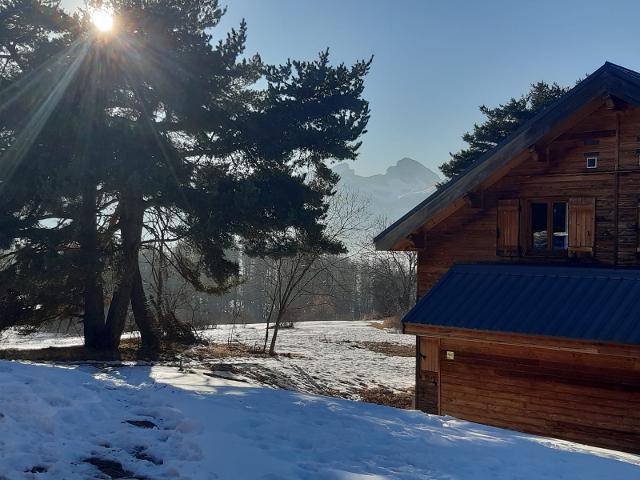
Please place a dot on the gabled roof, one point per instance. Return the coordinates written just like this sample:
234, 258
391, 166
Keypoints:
597, 304
610, 79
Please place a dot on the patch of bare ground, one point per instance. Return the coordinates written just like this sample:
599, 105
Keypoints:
228, 350
131, 350
219, 350
388, 323
386, 396
389, 349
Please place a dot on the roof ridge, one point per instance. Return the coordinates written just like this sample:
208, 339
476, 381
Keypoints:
604, 70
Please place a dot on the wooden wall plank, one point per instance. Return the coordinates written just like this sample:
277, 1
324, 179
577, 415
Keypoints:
586, 397
469, 234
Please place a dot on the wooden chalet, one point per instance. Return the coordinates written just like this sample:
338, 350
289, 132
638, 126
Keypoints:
529, 274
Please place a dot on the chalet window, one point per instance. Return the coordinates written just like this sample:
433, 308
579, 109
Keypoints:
548, 227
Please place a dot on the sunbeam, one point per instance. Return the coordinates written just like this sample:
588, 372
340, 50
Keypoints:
48, 100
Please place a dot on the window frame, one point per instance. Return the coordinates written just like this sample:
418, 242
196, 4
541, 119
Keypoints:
529, 251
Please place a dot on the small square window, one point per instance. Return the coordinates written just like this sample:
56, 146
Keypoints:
592, 162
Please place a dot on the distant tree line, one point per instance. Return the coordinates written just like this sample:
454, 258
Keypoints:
306, 285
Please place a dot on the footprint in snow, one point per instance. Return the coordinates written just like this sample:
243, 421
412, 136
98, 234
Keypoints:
142, 453
57, 402
142, 424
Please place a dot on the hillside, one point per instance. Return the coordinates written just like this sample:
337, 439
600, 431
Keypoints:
222, 418
393, 193
149, 422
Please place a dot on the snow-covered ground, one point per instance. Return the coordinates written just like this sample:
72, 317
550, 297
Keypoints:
59, 422
328, 355
320, 356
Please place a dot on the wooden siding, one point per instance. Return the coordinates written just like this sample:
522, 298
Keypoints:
588, 398
469, 234
572, 389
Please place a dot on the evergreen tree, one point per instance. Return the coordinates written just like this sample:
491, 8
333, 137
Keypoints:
39, 277
158, 117
499, 123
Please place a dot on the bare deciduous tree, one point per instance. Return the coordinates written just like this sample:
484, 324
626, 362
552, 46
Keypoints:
294, 278
393, 276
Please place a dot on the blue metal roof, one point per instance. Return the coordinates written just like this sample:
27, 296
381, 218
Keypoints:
601, 304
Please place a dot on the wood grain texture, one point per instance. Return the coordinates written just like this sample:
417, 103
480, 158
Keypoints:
603, 203
576, 396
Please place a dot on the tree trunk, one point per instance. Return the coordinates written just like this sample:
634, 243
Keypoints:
117, 315
276, 327
93, 318
266, 333
146, 321
131, 220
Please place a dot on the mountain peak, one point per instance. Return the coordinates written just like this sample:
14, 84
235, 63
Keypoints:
394, 192
409, 170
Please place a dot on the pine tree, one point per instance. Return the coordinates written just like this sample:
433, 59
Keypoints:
499, 123
157, 117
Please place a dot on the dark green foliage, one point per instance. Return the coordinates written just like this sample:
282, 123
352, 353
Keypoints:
500, 122
97, 131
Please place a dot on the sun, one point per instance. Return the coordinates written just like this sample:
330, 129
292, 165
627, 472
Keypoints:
102, 20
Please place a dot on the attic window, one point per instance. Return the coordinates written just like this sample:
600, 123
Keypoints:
548, 227
592, 160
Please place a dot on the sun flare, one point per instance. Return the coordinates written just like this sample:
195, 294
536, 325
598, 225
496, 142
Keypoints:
102, 20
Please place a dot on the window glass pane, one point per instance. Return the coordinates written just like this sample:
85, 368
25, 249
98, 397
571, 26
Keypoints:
539, 226
560, 226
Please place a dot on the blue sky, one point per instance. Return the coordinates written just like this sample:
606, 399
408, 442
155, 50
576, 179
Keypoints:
436, 62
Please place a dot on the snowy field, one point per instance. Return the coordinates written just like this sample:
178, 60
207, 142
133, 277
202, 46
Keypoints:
157, 423
216, 420
319, 356
328, 355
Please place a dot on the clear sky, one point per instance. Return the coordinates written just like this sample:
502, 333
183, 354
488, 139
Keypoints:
436, 62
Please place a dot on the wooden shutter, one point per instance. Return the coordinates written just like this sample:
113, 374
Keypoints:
508, 228
429, 354
582, 225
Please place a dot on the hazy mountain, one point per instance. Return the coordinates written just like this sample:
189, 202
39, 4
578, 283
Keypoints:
393, 193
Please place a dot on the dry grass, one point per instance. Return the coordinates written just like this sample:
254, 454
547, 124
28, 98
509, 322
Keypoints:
385, 396
390, 349
130, 351
220, 350
388, 323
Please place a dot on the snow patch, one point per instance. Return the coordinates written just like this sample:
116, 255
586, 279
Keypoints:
54, 419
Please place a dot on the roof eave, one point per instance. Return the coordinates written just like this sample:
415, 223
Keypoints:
609, 79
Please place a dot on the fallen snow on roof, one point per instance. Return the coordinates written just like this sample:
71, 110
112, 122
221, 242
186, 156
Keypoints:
155, 422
